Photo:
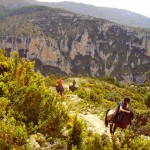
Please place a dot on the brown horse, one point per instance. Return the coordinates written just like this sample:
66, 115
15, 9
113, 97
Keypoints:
125, 121
60, 89
72, 88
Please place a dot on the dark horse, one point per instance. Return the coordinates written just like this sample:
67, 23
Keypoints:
60, 89
125, 121
72, 88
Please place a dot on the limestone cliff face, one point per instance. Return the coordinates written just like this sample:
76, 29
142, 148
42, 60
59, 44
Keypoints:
148, 48
70, 44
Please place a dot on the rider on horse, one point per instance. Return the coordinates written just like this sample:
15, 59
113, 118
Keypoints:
59, 82
120, 110
59, 85
73, 86
74, 83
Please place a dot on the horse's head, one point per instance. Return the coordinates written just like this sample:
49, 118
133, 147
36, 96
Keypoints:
131, 114
144, 120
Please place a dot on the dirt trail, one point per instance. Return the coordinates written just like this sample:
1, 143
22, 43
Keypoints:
94, 123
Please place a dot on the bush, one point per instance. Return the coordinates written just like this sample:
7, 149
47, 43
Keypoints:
147, 100
12, 135
95, 141
75, 136
51, 80
114, 97
140, 124
29, 101
131, 141
82, 93
95, 98
4, 104
111, 80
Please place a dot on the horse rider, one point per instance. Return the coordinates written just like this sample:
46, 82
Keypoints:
74, 83
121, 109
59, 82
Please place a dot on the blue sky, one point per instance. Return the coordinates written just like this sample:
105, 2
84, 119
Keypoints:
138, 6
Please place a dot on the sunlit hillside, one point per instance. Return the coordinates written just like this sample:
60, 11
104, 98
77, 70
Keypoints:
34, 116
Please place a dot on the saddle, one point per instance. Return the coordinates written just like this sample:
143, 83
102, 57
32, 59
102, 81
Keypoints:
110, 114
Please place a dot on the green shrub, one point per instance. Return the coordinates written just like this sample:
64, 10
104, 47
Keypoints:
4, 104
111, 80
53, 117
82, 93
147, 100
141, 124
75, 135
115, 97
51, 80
106, 143
31, 101
12, 134
130, 141
95, 98
93, 142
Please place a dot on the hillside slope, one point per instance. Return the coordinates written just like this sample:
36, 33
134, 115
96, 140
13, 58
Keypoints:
34, 116
120, 16
13, 4
6, 6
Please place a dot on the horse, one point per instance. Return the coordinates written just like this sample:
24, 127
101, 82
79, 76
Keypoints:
125, 121
72, 88
60, 89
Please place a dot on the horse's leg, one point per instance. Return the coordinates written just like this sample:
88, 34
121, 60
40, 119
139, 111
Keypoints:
61, 90
120, 135
57, 89
71, 89
114, 129
111, 128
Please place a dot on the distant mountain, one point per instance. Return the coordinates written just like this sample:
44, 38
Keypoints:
13, 4
120, 16
6, 6
62, 42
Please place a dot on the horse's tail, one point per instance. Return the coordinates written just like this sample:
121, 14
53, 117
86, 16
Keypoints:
106, 122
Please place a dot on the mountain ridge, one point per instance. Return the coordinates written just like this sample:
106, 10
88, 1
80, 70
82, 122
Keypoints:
120, 16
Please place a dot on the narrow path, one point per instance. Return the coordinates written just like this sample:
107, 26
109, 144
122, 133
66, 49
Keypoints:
94, 123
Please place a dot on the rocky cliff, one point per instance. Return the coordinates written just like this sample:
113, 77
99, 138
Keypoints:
66, 43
